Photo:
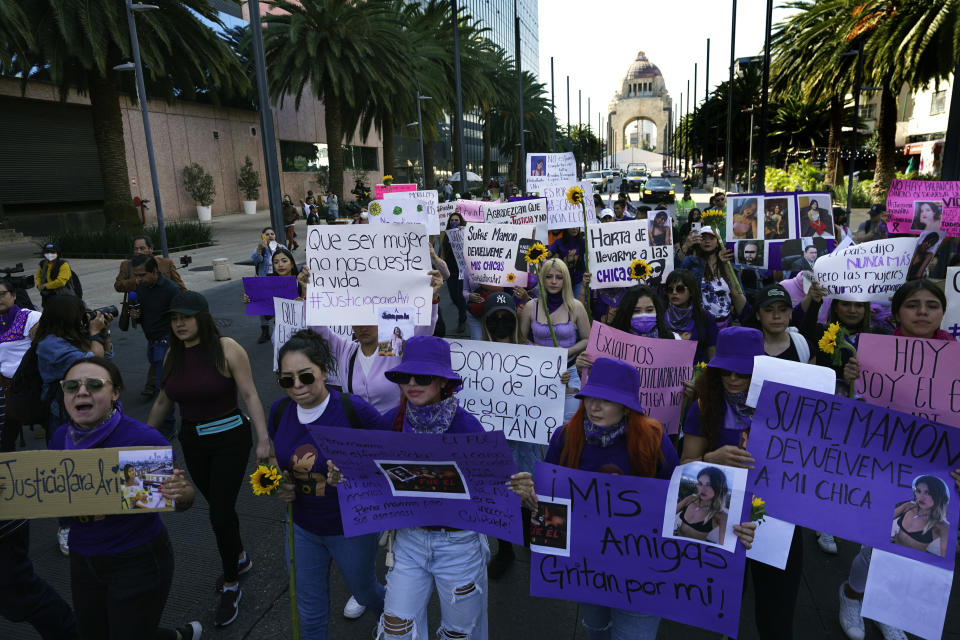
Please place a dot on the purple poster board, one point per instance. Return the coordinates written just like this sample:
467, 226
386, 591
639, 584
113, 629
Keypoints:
849, 468
395, 480
617, 557
264, 289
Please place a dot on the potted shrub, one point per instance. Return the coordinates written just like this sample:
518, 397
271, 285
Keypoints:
199, 184
249, 182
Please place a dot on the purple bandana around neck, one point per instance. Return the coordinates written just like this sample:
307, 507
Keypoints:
611, 297
680, 318
554, 301
91, 438
603, 436
432, 418
738, 415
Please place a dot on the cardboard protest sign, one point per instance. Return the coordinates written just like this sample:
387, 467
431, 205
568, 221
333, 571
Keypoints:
924, 205
494, 253
560, 213
549, 167
614, 247
799, 374
470, 210
429, 206
355, 268
444, 209
907, 594
394, 480
380, 190
855, 470
867, 271
262, 290
913, 375
510, 387
951, 316
455, 237
618, 558
395, 325
663, 364
84, 482
396, 210
289, 316
531, 211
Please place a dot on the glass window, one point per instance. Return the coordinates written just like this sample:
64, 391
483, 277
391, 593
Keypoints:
356, 157
302, 156
938, 103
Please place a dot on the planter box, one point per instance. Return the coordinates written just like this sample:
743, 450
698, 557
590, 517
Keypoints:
250, 207
204, 213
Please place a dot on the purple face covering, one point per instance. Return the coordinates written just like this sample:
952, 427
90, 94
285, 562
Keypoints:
643, 325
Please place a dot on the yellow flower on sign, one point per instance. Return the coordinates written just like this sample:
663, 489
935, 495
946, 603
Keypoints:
375, 209
640, 270
575, 196
536, 254
511, 277
265, 480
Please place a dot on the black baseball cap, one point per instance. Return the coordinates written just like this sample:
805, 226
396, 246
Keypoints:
497, 301
50, 248
188, 303
771, 294
877, 209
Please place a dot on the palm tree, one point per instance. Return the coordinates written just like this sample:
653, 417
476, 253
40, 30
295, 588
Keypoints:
76, 45
798, 126
341, 52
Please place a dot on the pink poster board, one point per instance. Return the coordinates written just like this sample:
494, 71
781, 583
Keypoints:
916, 206
380, 189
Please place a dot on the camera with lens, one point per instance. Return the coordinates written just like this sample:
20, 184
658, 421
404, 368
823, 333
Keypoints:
112, 310
19, 282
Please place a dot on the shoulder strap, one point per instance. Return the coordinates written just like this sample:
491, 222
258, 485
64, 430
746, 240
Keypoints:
276, 413
347, 403
353, 361
801, 344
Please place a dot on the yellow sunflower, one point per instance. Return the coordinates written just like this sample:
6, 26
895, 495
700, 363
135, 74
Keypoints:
265, 480
758, 509
375, 209
640, 270
536, 254
511, 277
828, 343
387, 179
575, 196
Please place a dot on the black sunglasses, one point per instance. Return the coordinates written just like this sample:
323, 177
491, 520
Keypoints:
287, 382
680, 288
726, 373
398, 377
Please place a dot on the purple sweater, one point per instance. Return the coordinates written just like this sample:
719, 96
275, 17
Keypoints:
115, 533
374, 388
615, 458
692, 426
463, 422
294, 447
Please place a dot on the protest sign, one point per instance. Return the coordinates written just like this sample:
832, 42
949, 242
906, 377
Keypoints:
494, 253
614, 247
380, 190
951, 316
907, 594
549, 167
395, 325
395, 479
799, 374
262, 290
289, 316
531, 211
924, 205
619, 558
470, 210
455, 238
853, 470
429, 203
444, 209
84, 482
771, 544
354, 268
394, 209
913, 375
865, 272
663, 365
560, 213
511, 387
684, 515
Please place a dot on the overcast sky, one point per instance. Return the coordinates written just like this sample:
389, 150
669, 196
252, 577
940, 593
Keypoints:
595, 41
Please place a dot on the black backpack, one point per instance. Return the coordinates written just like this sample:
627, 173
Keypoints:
26, 401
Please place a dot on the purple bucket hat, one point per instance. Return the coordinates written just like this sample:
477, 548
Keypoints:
736, 348
615, 381
427, 355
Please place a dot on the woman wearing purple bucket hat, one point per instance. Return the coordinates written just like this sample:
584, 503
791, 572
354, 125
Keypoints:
610, 433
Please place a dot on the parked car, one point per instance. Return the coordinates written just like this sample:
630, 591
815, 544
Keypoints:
598, 179
659, 190
635, 179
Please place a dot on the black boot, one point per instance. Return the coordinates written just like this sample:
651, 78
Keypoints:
503, 559
264, 335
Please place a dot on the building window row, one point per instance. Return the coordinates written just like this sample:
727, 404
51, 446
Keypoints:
310, 156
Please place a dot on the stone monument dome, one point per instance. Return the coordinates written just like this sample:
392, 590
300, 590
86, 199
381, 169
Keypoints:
642, 96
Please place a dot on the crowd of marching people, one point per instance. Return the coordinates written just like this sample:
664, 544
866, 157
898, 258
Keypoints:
121, 566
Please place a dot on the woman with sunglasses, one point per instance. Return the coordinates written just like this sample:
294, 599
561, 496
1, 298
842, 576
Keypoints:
716, 427
685, 314
121, 566
205, 372
304, 364
710, 260
611, 433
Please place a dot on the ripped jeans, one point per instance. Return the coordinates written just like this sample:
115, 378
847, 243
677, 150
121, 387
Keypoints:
454, 561
607, 623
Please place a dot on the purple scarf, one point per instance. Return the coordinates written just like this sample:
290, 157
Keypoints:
432, 418
602, 436
554, 301
680, 318
738, 415
91, 438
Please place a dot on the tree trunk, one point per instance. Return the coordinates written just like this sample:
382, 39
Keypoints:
118, 209
833, 141
386, 134
486, 149
333, 120
428, 176
886, 144
455, 145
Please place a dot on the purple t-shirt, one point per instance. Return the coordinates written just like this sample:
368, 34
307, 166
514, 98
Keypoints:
316, 507
692, 427
112, 534
463, 422
615, 458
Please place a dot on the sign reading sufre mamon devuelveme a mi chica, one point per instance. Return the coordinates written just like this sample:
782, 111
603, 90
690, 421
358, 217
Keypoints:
83, 482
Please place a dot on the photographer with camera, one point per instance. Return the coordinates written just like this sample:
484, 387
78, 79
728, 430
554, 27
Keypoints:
154, 293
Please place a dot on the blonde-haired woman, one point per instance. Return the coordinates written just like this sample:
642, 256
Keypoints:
703, 514
569, 318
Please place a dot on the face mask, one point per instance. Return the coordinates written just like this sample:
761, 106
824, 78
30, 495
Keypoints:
643, 323
453, 224
501, 328
50, 256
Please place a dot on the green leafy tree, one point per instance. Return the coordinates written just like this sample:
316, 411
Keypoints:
798, 126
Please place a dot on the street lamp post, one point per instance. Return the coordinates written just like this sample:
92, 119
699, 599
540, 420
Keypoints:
553, 109
423, 165
142, 98
523, 157
857, 81
706, 117
461, 165
764, 99
728, 155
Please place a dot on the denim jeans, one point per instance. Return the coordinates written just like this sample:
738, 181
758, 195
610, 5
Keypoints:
525, 454
454, 561
355, 557
607, 623
475, 325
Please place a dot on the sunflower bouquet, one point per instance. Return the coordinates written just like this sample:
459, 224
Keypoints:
717, 219
575, 197
833, 343
535, 256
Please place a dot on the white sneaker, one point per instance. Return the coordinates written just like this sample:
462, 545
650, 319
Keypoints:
353, 609
850, 619
827, 543
63, 536
891, 633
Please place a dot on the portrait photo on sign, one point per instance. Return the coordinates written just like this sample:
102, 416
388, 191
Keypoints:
799, 254
394, 326
751, 253
921, 521
142, 472
743, 222
925, 253
816, 216
417, 479
550, 526
660, 232
777, 218
926, 215
538, 166
704, 501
